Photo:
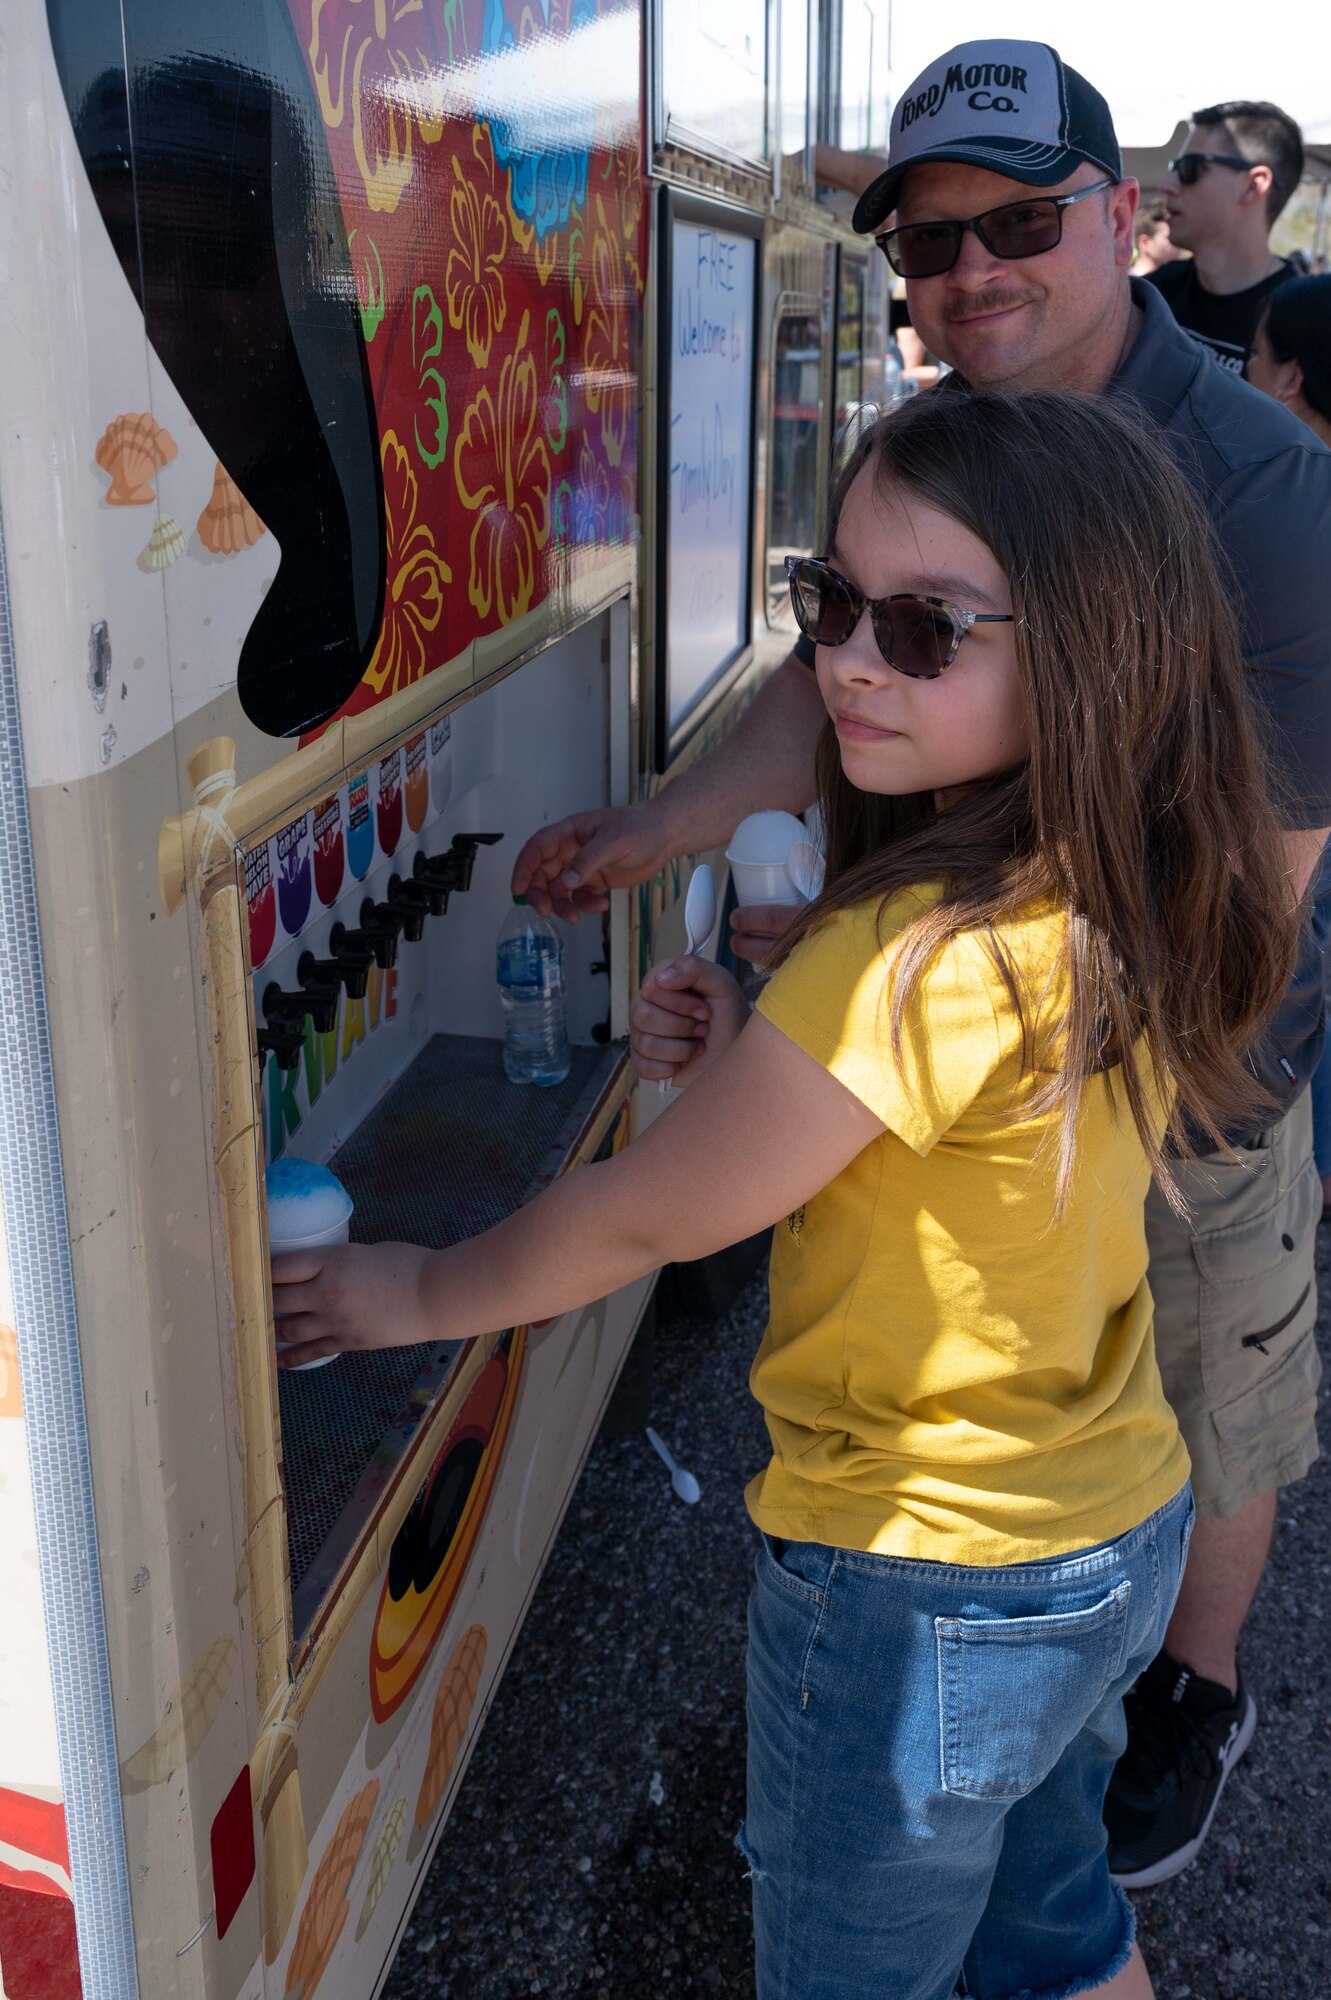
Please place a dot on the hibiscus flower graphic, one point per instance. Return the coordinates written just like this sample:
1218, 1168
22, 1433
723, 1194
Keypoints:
502, 469
474, 274
370, 61
417, 574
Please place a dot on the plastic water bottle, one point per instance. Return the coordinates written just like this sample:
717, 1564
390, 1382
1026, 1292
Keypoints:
530, 969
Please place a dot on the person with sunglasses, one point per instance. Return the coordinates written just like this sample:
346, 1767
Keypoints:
1222, 196
1004, 207
948, 1103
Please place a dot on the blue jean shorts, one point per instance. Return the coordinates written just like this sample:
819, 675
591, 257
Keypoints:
929, 1749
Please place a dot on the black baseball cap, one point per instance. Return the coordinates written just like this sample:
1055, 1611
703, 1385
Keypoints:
1014, 107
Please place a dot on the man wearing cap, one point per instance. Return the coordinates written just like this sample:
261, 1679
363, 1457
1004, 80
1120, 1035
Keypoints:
1003, 206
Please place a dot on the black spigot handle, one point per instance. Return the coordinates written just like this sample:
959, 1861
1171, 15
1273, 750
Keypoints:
349, 968
436, 878
284, 1039
410, 905
378, 940
464, 846
318, 1001
379, 920
442, 873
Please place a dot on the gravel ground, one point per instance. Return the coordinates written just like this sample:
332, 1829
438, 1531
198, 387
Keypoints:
590, 1857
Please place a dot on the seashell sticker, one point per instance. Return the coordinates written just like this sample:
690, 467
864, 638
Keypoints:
186, 1720
294, 874
381, 1861
360, 826
326, 1907
388, 805
262, 900
329, 851
166, 544
418, 782
228, 523
133, 449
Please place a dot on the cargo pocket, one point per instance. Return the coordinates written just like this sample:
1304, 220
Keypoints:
1268, 1435
1014, 1692
1259, 1290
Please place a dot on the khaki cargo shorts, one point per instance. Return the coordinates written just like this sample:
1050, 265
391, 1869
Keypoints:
1235, 1305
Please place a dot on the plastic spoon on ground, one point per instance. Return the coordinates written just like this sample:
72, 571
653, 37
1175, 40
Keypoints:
699, 917
683, 1483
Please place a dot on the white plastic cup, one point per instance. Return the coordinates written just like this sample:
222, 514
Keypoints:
300, 1192
757, 856
762, 882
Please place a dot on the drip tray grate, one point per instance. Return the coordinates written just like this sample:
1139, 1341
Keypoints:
450, 1150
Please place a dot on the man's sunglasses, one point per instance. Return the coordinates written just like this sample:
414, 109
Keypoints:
1017, 229
1187, 168
918, 636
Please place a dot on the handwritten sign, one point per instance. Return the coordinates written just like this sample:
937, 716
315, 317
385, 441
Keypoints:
709, 458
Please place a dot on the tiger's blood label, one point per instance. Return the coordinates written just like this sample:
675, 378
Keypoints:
329, 852
388, 808
294, 875
262, 901
418, 782
360, 826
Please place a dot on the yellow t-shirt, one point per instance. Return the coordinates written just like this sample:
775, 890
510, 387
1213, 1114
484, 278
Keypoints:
948, 1372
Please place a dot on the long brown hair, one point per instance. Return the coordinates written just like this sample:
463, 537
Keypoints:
1143, 809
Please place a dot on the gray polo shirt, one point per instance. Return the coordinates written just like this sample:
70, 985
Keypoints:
1265, 480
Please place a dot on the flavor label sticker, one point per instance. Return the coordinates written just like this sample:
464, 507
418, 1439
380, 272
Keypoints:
388, 807
441, 762
294, 874
418, 782
360, 826
329, 851
262, 901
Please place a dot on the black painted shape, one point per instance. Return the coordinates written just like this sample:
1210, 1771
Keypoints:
205, 150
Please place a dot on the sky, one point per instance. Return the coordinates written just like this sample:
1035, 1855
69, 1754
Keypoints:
1156, 64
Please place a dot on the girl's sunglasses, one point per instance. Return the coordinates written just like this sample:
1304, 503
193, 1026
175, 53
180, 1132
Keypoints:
917, 636
1018, 229
1187, 168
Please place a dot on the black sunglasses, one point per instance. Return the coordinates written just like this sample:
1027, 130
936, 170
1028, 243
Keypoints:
1187, 168
917, 636
1017, 229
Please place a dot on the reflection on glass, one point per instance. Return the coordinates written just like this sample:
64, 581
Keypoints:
864, 104
849, 339
795, 80
796, 471
714, 76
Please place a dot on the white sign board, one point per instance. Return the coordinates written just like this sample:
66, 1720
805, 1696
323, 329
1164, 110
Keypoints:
710, 458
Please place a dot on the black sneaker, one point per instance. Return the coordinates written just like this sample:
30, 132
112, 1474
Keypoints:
1185, 1735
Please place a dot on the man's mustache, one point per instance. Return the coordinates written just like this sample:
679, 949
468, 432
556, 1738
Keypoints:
985, 302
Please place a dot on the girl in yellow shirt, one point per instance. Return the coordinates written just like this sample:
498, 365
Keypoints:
1055, 917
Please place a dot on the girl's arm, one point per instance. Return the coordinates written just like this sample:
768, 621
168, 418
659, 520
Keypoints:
762, 1131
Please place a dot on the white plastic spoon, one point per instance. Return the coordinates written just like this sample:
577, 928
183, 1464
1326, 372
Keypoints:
684, 1485
806, 867
699, 917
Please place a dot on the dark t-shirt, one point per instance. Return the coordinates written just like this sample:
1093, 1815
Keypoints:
1226, 322
1265, 480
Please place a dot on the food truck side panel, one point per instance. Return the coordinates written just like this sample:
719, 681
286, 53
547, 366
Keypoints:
197, 671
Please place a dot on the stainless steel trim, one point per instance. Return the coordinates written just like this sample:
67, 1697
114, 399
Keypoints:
32, 1188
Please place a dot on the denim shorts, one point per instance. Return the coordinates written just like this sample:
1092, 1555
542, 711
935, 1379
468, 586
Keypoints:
929, 1749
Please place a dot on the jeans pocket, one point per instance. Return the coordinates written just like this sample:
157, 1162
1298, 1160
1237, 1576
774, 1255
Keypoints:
1014, 1692
773, 1568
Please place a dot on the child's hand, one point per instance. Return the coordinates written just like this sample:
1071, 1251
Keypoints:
686, 1014
350, 1295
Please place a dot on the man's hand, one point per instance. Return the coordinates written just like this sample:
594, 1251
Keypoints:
572, 866
350, 1295
687, 1013
754, 931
